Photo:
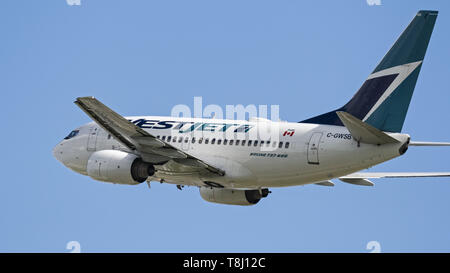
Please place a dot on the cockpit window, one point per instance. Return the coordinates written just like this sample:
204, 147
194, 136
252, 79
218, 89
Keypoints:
72, 134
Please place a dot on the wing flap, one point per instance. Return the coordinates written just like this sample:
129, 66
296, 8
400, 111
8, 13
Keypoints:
149, 141
326, 183
357, 181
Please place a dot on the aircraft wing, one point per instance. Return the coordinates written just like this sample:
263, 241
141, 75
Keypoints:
396, 175
426, 143
150, 148
362, 179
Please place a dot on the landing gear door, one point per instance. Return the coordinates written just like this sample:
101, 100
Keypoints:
313, 148
92, 139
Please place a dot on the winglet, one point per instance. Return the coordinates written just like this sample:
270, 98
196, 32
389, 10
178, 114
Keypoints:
364, 132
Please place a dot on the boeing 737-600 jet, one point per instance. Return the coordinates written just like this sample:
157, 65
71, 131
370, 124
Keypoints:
232, 162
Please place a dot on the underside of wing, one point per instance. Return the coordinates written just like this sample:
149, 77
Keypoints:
363, 175
427, 143
362, 179
152, 150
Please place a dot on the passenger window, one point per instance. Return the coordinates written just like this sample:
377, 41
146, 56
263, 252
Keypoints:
163, 138
180, 139
280, 145
243, 142
169, 138
249, 143
231, 141
200, 140
219, 141
206, 140
109, 136
156, 137
262, 143
237, 142
274, 144
174, 139
213, 141
193, 140
186, 139
286, 145
256, 143
268, 143
225, 141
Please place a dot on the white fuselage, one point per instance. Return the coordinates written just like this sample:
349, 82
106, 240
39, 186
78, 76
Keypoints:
297, 154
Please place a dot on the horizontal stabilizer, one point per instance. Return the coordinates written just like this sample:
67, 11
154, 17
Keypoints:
364, 132
424, 143
357, 181
326, 183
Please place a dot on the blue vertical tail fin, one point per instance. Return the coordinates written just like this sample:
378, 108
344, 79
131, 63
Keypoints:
383, 99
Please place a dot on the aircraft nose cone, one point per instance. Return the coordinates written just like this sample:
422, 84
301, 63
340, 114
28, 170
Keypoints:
74, 160
58, 153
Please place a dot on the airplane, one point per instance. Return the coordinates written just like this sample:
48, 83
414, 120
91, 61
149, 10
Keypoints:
231, 164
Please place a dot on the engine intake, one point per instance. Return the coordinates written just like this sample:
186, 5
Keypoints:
118, 167
233, 196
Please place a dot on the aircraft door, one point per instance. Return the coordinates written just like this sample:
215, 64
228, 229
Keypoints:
313, 148
92, 139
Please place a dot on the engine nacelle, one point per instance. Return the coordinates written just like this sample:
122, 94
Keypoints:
232, 196
118, 167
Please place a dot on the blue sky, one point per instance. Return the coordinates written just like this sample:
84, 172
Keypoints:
144, 57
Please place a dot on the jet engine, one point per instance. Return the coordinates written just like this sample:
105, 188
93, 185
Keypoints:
118, 167
233, 196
